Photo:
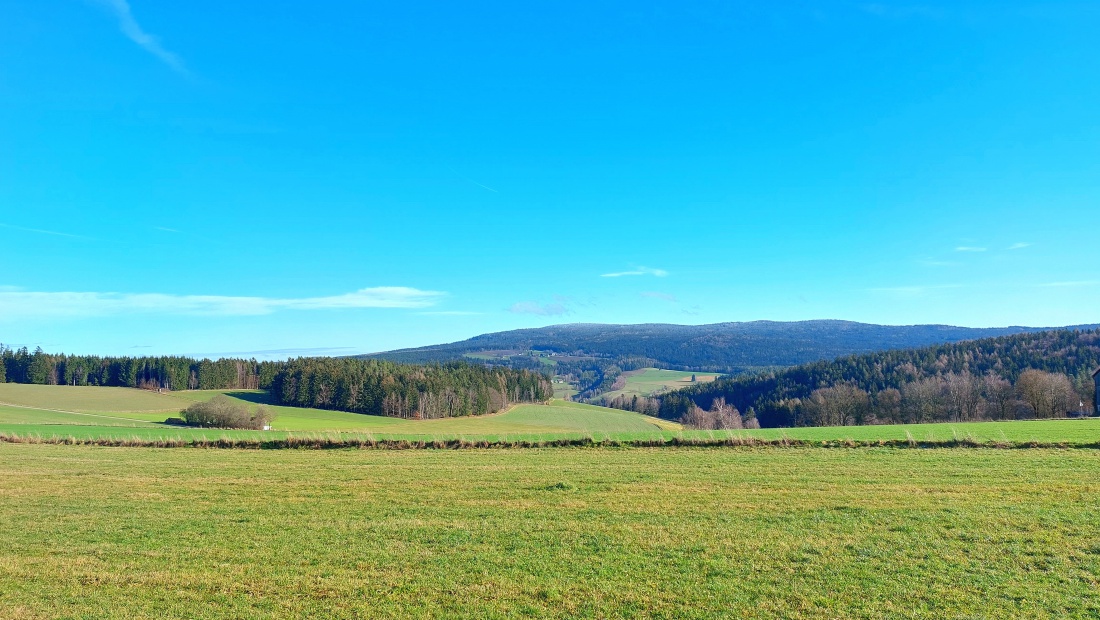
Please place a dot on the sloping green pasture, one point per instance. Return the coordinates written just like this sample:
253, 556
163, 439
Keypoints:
95, 532
61, 412
650, 381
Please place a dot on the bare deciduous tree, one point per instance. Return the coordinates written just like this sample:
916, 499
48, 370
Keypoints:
1048, 395
839, 405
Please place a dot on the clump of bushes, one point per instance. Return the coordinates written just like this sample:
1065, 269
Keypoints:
224, 412
721, 417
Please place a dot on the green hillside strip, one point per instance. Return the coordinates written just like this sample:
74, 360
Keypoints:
87, 399
531, 421
691, 533
650, 381
533, 428
15, 415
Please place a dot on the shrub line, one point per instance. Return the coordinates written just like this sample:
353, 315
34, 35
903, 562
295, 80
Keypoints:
337, 443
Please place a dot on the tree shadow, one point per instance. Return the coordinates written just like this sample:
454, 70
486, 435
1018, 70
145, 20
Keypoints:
259, 398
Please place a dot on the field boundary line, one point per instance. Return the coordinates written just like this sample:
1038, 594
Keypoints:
94, 415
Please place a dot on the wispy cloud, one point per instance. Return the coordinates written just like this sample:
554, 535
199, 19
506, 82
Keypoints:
42, 231
909, 292
1020, 246
1071, 283
466, 178
134, 31
658, 295
532, 307
449, 313
937, 263
638, 271
164, 229
291, 352
892, 11
969, 248
27, 304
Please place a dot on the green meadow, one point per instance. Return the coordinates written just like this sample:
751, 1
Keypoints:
93, 532
60, 411
650, 381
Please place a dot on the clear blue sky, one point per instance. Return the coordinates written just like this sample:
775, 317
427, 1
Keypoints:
236, 178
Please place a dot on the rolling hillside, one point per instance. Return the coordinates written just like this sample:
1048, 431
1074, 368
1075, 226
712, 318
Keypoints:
47, 410
721, 347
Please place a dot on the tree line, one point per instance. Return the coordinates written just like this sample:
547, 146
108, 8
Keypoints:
1044, 374
159, 372
379, 387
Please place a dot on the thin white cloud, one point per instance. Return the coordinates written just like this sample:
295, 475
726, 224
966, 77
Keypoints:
1072, 283
134, 31
909, 292
532, 307
449, 313
639, 271
466, 178
892, 11
659, 295
1020, 246
42, 231
969, 248
291, 352
30, 304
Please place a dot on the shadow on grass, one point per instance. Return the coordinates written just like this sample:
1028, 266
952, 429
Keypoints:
259, 398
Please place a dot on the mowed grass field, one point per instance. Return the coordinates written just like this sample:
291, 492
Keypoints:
93, 532
650, 381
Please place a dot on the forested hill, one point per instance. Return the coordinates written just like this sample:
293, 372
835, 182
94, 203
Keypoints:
721, 347
980, 379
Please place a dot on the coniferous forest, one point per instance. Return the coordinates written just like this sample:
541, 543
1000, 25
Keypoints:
163, 372
379, 387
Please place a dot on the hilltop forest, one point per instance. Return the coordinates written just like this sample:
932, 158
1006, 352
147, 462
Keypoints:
731, 348
1044, 374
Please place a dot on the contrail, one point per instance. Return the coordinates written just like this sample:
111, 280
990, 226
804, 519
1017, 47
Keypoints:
133, 31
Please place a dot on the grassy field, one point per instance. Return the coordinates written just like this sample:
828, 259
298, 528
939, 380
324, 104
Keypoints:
114, 413
564, 391
64, 411
650, 381
801, 533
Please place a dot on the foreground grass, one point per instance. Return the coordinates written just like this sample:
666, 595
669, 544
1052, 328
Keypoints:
802, 533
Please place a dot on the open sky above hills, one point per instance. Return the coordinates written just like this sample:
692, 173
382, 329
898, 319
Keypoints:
339, 178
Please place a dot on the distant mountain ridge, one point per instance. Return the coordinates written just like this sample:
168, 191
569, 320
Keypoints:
723, 347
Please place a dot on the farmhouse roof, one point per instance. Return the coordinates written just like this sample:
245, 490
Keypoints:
1095, 372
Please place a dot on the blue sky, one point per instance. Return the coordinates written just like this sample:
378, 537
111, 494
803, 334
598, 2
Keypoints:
217, 178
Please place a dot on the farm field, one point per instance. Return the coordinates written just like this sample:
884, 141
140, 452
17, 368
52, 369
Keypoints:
799, 533
650, 381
